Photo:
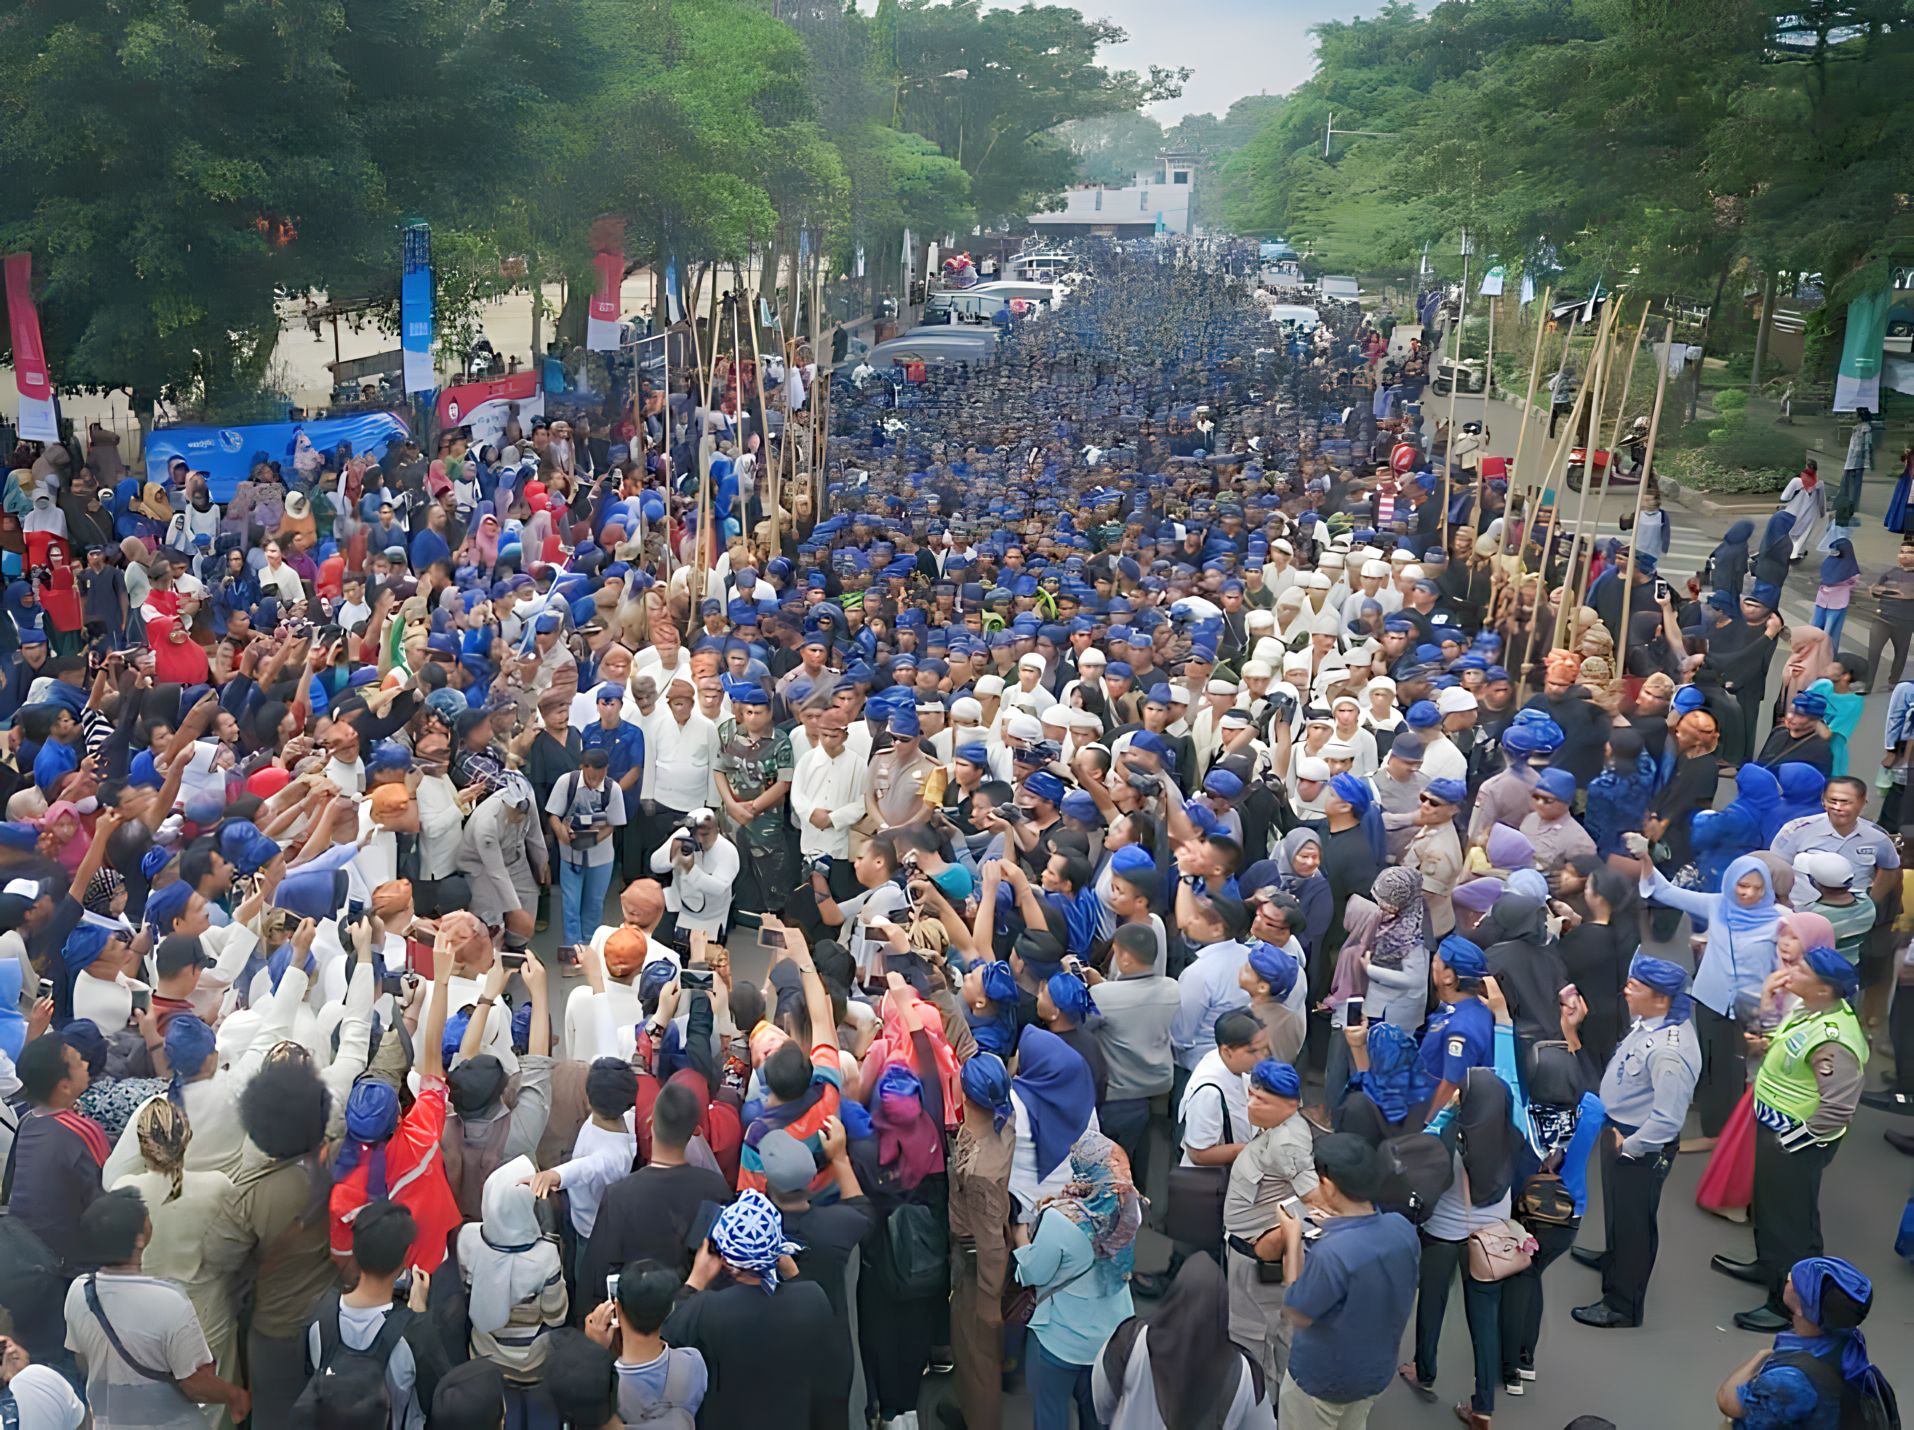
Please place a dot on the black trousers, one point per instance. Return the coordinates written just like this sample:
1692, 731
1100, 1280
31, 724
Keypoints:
1787, 1207
1481, 1304
1631, 1216
1522, 1300
1877, 676
1724, 1069
1900, 1029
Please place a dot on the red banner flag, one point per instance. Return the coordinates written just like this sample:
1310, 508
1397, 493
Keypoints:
39, 418
608, 257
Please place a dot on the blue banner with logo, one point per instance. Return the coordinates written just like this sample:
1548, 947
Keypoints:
415, 310
227, 454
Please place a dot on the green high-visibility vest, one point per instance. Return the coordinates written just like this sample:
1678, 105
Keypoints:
1786, 1079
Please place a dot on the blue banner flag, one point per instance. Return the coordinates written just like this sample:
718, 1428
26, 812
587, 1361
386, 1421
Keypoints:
415, 310
227, 454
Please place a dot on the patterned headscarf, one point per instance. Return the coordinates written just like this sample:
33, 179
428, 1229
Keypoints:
101, 888
1101, 1198
1398, 892
749, 1235
164, 1134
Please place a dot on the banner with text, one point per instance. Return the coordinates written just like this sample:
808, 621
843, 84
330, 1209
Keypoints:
608, 258
227, 454
415, 310
39, 417
485, 407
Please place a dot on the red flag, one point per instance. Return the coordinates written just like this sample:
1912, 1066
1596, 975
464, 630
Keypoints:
39, 419
608, 257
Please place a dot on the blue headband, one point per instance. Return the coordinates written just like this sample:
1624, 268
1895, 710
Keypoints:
1274, 967
189, 1042
1465, 959
1277, 1077
1071, 997
1353, 792
1835, 971
1000, 984
987, 1083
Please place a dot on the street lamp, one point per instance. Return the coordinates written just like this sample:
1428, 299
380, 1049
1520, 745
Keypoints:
1330, 130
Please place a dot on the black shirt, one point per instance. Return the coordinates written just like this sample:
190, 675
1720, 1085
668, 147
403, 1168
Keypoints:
829, 1235
773, 1360
648, 1216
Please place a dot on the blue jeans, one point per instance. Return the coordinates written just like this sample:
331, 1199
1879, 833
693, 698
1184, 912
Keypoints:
1831, 622
1054, 1386
582, 889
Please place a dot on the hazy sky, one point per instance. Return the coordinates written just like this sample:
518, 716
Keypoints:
1234, 47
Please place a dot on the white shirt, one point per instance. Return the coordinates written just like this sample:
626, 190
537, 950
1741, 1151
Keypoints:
1027, 1189
701, 895
598, 1159
1441, 760
679, 760
283, 583
441, 827
836, 785
45, 1400
157, 1325
1202, 1107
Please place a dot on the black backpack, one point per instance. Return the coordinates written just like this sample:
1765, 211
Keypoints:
1418, 1169
334, 1352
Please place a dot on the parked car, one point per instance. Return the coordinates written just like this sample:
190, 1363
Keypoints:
1464, 375
951, 343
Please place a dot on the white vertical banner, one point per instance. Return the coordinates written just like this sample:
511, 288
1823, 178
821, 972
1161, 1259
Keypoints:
909, 250
930, 263
860, 261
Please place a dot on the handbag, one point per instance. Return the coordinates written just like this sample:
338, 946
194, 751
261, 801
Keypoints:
1498, 1249
1194, 1209
1545, 1200
1022, 1303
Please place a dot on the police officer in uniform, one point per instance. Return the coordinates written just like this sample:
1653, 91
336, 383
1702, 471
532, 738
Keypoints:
1646, 1089
1804, 1098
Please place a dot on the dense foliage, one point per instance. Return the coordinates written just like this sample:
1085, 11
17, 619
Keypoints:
171, 164
1670, 142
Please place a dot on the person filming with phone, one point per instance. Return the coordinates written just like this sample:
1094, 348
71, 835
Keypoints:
701, 867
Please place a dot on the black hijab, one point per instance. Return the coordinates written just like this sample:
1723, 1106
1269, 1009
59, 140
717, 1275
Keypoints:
1487, 1136
1191, 1354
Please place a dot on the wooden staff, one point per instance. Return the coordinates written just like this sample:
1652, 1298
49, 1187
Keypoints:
1488, 391
737, 376
1648, 467
701, 559
1541, 487
1499, 572
1598, 378
1455, 381
1615, 431
764, 436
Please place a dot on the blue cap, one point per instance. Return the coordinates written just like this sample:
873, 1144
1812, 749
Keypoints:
749, 693
1117, 670
1556, 784
1224, 784
974, 753
1465, 959
1159, 695
1043, 785
547, 623
1422, 715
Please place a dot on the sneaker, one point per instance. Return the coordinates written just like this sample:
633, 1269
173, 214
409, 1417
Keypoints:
1513, 1386
942, 1361
1896, 1102
1526, 1372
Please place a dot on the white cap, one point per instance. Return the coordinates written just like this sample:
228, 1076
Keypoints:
988, 685
1454, 701
1369, 553
1282, 546
1824, 866
1257, 670
1333, 557
1381, 682
1179, 695
1312, 767
1414, 573
1345, 699
701, 815
1235, 715
965, 707
1023, 726
1376, 568
1058, 715
1084, 720
1295, 660
1326, 623
1260, 618
1400, 557
1317, 580
1092, 656
1220, 687
1030, 661
1338, 750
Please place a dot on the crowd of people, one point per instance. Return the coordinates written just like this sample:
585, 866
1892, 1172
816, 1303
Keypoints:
1166, 796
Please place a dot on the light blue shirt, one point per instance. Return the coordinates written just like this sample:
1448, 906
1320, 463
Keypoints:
1207, 989
1733, 965
1071, 1323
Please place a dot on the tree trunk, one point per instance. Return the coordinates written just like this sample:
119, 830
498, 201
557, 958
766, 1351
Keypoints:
570, 326
1762, 329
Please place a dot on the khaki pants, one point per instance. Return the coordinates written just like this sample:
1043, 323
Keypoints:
1297, 1409
1256, 1317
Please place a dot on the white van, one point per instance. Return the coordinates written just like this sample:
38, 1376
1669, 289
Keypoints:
1048, 295
1038, 265
1296, 315
963, 305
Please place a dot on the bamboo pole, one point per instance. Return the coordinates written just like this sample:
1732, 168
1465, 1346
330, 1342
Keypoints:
817, 362
1500, 575
1615, 430
1648, 468
1598, 380
1488, 392
1455, 381
701, 557
1541, 487
768, 481
737, 377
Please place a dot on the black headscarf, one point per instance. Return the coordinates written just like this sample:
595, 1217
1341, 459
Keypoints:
1191, 1355
1487, 1136
1514, 918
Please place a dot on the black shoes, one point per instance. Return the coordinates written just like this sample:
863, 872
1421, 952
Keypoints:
1749, 1271
1763, 1319
1584, 1257
1901, 1142
1603, 1317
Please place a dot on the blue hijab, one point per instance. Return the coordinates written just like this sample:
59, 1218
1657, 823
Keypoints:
1761, 918
1801, 787
13, 1023
1390, 1077
1811, 1279
1778, 539
1839, 565
1057, 1092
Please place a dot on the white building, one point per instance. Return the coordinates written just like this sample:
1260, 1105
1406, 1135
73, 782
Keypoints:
1161, 201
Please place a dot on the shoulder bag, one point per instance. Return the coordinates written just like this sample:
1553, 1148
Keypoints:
1194, 1209
1498, 1249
